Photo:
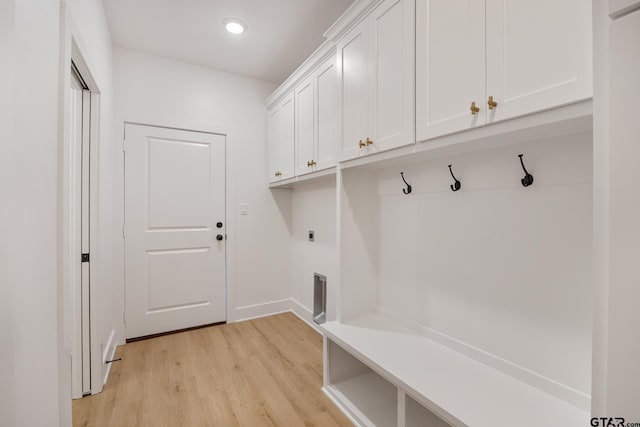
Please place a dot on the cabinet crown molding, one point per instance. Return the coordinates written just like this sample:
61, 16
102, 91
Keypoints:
352, 16
326, 49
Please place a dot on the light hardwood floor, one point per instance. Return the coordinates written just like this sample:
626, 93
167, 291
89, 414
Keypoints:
263, 372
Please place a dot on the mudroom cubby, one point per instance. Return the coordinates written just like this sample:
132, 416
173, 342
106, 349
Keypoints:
475, 304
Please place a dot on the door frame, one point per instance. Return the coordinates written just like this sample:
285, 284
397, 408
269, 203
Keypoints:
230, 227
72, 50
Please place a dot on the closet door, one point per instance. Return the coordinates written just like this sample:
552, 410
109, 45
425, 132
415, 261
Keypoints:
450, 66
304, 127
353, 64
539, 55
326, 82
391, 75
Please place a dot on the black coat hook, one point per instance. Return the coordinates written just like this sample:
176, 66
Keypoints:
408, 189
528, 178
456, 185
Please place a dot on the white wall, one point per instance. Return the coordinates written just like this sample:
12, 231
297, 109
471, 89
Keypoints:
502, 268
313, 208
158, 91
29, 386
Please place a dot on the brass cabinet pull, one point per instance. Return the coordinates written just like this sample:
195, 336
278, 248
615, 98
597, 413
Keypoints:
369, 142
311, 163
361, 144
474, 109
492, 104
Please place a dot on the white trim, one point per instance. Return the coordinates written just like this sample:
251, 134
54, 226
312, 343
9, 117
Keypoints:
315, 60
304, 314
348, 411
350, 18
109, 353
249, 312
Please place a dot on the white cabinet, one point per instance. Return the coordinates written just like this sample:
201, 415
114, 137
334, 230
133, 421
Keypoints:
316, 119
376, 65
509, 57
304, 119
281, 140
450, 66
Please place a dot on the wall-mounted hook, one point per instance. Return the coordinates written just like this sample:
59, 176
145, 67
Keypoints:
457, 184
528, 178
408, 189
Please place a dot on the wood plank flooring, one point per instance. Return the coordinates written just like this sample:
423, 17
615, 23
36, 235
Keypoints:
262, 372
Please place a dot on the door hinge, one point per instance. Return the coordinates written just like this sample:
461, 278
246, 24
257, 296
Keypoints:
85, 257
123, 231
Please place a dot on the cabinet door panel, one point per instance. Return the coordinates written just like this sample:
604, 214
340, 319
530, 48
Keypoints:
304, 127
450, 66
272, 149
391, 74
326, 81
353, 64
538, 54
286, 138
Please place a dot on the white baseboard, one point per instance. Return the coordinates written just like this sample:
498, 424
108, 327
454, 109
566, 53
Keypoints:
109, 352
304, 314
255, 311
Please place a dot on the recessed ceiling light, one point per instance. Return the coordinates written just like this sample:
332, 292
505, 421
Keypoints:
234, 25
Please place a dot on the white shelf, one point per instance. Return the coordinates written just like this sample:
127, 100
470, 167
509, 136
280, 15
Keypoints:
373, 400
458, 389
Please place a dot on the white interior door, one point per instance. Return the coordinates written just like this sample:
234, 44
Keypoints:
79, 161
174, 229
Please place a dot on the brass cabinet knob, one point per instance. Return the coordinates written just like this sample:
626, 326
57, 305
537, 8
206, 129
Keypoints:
369, 142
474, 109
491, 103
278, 173
361, 144
311, 163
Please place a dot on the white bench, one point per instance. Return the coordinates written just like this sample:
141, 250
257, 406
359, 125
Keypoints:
382, 374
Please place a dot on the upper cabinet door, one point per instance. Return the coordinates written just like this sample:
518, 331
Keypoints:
326, 82
539, 54
304, 127
391, 75
352, 52
286, 138
273, 119
450, 66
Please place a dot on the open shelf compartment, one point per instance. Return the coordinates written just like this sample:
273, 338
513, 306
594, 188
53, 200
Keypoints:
368, 397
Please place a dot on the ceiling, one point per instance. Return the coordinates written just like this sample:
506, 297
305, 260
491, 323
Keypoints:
281, 34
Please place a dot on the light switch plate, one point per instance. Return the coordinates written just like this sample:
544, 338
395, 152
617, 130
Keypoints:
244, 208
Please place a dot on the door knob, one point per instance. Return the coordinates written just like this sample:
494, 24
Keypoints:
219, 224
219, 237
474, 109
491, 103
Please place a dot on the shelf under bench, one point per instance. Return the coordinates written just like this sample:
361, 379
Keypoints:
457, 388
